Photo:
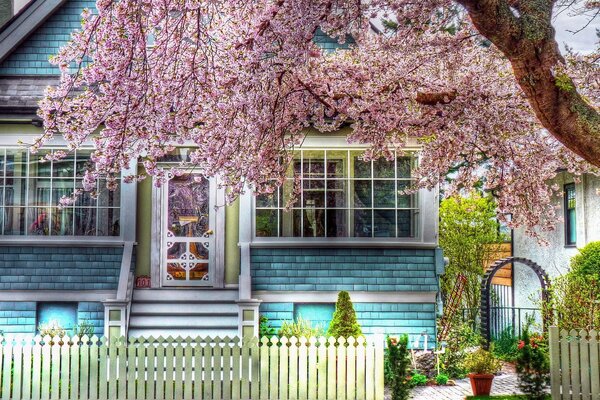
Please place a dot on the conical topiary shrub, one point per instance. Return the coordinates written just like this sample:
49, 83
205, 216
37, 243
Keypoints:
344, 321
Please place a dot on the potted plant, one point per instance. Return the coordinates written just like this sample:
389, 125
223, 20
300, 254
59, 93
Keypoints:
483, 365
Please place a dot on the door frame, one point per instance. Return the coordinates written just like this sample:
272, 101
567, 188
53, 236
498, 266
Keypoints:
157, 226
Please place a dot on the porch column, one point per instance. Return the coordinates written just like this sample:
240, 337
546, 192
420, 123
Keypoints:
248, 318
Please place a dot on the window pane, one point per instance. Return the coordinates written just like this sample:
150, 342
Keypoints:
384, 194
266, 223
82, 162
313, 164
108, 222
60, 188
198, 251
176, 271
336, 194
406, 200
314, 222
14, 192
38, 165
406, 223
85, 199
175, 250
337, 163
285, 193
363, 223
383, 168
291, 223
16, 163
403, 165
39, 192
39, 221
337, 225
362, 194
85, 221
14, 221
2, 161
362, 169
110, 198
267, 200
314, 193
62, 221
197, 271
65, 167
384, 224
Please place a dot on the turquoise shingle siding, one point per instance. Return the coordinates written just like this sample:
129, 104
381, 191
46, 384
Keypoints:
59, 268
17, 317
31, 57
277, 313
387, 318
358, 269
93, 313
328, 43
20, 317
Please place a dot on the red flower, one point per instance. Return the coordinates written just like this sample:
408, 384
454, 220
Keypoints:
521, 344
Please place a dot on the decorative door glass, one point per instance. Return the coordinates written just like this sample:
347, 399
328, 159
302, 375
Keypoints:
188, 240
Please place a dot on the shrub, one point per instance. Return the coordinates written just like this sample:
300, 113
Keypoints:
52, 329
83, 328
575, 300
344, 321
418, 380
397, 367
505, 346
441, 379
587, 262
533, 366
482, 362
300, 327
265, 328
461, 337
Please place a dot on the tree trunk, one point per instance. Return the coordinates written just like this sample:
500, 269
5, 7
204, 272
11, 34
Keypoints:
526, 37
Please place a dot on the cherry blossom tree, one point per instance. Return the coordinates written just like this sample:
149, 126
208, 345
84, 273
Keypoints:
481, 84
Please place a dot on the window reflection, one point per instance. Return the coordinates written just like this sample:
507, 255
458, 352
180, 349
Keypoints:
341, 196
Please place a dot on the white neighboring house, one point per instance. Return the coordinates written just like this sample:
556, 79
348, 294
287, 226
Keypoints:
579, 207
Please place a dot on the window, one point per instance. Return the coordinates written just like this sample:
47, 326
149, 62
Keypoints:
341, 196
570, 215
30, 191
57, 315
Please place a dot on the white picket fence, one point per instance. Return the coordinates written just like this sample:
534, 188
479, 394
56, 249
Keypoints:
192, 368
574, 364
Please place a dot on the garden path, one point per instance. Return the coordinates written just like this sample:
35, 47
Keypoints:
503, 384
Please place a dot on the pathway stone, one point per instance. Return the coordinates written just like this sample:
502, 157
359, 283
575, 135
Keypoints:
503, 384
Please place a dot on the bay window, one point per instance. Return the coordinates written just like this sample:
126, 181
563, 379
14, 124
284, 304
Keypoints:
341, 196
30, 191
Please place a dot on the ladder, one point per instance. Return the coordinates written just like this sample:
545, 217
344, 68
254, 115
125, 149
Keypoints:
451, 308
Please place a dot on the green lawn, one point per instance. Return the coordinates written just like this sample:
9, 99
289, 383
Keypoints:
500, 397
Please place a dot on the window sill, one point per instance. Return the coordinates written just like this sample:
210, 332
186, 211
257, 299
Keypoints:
64, 241
570, 246
339, 242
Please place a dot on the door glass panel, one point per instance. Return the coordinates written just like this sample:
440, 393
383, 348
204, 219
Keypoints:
188, 237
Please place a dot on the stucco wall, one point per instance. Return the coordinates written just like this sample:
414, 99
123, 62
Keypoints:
555, 257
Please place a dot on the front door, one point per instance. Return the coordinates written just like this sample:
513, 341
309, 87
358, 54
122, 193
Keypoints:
187, 245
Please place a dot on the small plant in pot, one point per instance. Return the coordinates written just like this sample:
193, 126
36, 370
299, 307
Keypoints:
482, 366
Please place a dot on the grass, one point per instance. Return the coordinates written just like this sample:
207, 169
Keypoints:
501, 397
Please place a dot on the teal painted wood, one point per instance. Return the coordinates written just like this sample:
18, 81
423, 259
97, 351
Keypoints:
387, 318
65, 268
227, 369
31, 57
373, 270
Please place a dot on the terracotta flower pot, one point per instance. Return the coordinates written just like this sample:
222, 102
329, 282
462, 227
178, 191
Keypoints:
481, 384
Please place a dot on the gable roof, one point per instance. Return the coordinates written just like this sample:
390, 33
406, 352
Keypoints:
23, 24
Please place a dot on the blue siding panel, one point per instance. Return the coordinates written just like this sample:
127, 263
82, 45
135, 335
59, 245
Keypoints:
380, 270
31, 57
68, 268
393, 319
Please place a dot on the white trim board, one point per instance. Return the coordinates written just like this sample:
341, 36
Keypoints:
57, 295
331, 297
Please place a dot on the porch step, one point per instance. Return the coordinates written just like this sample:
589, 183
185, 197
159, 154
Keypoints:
184, 312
